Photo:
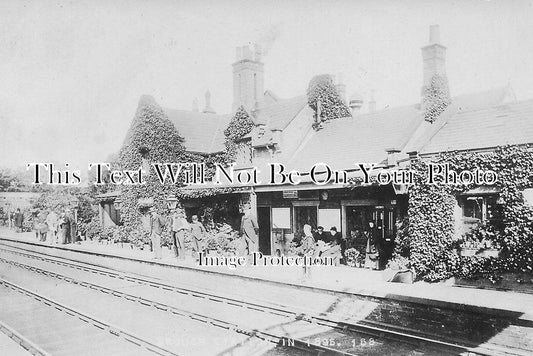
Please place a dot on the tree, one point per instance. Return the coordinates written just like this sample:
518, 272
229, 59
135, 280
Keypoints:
322, 89
11, 181
60, 198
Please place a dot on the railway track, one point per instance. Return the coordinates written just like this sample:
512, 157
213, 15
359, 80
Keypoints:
104, 337
370, 331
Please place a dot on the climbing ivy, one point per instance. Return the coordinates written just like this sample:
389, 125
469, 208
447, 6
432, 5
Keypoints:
431, 240
322, 89
436, 98
240, 125
431, 226
151, 138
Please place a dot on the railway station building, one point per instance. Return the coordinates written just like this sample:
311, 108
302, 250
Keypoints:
285, 132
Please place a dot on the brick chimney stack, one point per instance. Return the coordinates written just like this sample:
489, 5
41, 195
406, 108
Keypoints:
434, 58
248, 78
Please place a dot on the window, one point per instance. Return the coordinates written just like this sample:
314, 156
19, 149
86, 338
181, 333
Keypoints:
145, 158
481, 208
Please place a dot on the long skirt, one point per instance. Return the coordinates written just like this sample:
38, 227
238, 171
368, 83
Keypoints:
156, 245
63, 235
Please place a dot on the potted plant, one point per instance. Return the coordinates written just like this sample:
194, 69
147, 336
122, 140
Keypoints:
400, 270
352, 257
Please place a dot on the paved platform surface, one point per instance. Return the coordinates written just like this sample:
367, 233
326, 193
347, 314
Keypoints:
340, 278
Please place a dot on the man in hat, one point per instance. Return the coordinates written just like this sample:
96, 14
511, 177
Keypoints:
157, 223
197, 232
19, 220
179, 227
51, 221
249, 230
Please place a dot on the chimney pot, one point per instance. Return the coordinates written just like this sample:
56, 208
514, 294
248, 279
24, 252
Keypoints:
247, 53
434, 34
356, 101
208, 108
258, 52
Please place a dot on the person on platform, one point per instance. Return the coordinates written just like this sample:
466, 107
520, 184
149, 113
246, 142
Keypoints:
180, 225
372, 251
19, 220
157, 223
320, 235
198, 234
339, 240
11, 218
249, 230
64, 225
51, 221
42, 227
332, 249
307, 248
72, 234
36, 225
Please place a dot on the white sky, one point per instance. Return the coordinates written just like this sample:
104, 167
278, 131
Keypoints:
71, 72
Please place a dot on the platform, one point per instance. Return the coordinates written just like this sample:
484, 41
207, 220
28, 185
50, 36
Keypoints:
341, 279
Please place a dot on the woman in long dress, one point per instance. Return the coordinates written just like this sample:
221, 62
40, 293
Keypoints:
372, 252
63, 228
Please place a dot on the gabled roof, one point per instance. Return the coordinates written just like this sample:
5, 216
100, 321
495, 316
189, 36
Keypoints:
484, 99
490, 127
361, 139
460, 103
278, 115
203, 132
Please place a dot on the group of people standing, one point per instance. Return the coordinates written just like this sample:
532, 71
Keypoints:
53, 228
47, 225
179, 227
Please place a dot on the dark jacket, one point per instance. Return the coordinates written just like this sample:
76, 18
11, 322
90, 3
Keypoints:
157, 223
19, 219
324, 236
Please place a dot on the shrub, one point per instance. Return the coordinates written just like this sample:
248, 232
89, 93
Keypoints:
93, 229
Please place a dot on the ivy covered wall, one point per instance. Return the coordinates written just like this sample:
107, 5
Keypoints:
430, 243
151, 138
323, 98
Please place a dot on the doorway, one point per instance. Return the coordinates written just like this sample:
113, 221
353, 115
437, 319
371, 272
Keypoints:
305, 215
384, 219
263, 220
